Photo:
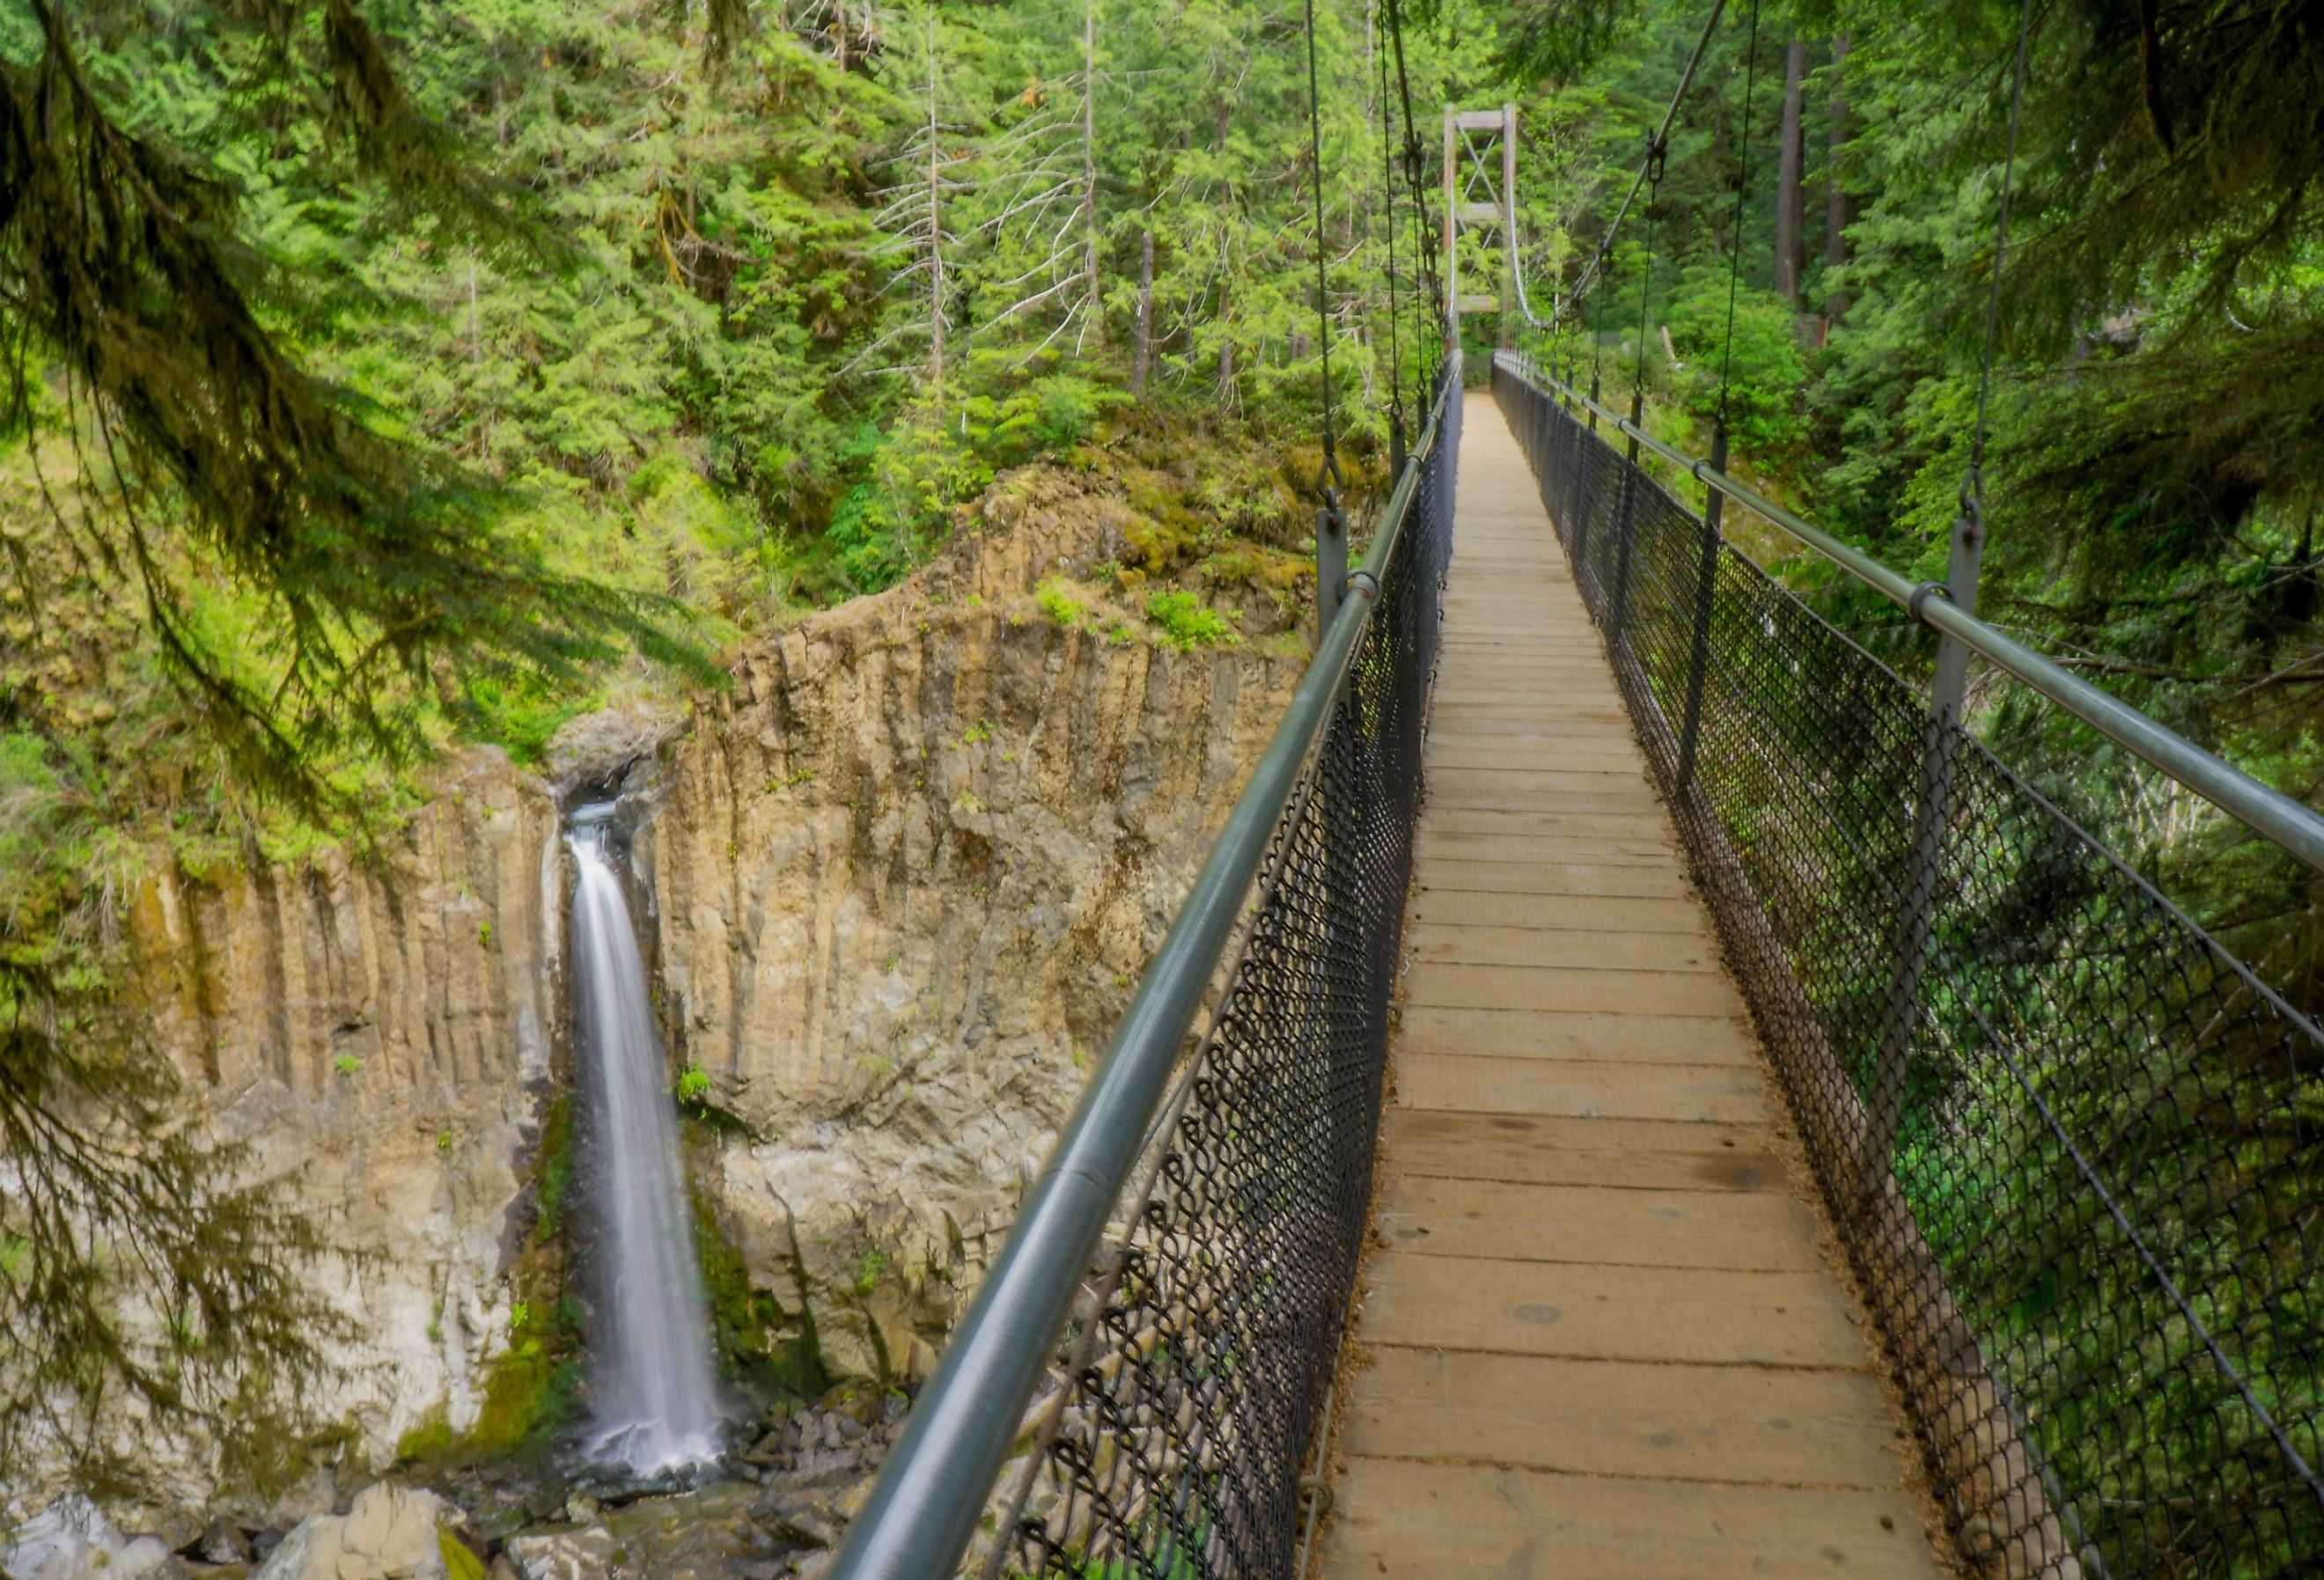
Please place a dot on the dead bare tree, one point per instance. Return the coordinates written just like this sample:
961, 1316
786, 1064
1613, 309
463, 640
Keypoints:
1141, 352
1093, 313
914, 214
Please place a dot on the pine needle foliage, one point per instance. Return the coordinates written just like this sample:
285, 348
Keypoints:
226, 460
141, 1277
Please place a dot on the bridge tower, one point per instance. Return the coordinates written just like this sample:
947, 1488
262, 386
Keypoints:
1480, 194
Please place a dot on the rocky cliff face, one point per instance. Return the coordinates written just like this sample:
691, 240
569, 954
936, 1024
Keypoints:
909, 870
379, 1035
901, 875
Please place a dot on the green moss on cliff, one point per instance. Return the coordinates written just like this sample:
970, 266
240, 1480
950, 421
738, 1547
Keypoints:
554, 1176
759, 1342
532, 1390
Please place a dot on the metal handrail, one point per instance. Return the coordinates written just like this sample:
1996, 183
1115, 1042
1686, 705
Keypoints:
925, 1507
2269, 813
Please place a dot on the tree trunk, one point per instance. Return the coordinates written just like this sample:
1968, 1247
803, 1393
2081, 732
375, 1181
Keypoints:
935, 235
1789, 209
1226, 329
1092, 322
1141, 353
1835, 206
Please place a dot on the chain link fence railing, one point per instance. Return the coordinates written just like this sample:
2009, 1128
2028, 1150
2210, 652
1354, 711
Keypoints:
1195, 1379
1175, 1416
2075, 1148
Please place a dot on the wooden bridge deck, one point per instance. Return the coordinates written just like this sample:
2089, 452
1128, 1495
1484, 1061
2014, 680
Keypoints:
1604, 1336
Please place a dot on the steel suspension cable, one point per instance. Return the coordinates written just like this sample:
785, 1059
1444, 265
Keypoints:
1412, 161
1742, 189
1975, 481
1323, 287
1387, 191
1654, 146
1646, 285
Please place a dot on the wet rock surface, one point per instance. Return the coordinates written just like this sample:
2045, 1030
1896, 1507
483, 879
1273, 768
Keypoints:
899, 878
771, 1510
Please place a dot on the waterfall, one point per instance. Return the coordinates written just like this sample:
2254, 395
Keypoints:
656, 1404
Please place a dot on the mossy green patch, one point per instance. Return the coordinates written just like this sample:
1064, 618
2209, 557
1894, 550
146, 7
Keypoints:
460, 1563
758, 1340
555, 1172
1059, 604
430, 1441
1186, 623
532, 1393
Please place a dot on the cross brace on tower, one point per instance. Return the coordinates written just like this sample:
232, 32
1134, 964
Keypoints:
1480, 194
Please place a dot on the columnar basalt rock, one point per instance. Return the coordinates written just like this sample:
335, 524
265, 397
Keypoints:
901, 877
911, 865
377, 1034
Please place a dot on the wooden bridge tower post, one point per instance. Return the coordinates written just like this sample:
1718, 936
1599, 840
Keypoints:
1480, 194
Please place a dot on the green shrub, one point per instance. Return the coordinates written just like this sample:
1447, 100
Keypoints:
1060, 605
1186, 623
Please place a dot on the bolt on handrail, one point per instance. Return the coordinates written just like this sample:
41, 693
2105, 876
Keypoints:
924, 1509
2267, 812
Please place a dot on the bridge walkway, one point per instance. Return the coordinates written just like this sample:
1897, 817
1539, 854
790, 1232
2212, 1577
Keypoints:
1603, 1333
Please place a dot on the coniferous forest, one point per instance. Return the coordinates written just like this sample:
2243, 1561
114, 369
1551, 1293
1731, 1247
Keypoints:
383, 380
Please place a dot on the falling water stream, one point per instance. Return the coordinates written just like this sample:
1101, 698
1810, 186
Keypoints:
656, 1403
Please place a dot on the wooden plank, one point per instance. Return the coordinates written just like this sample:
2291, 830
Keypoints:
1513, 734
1547, 788
1550, 1150
1544, 823
1546, 777
1540, 712
1537, 626
1762, 1232
1625, 1036
1450, 943
1561, 990
1559, 912
1582, 679
1499, 728
1401, 1520
1652, 850
1555, 703
1520, 755
1615, 1314
1582, 1088
1447, 715
1484, 877
1617, 1417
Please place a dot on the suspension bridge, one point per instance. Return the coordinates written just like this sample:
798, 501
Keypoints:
1638, 1090
1603, 1336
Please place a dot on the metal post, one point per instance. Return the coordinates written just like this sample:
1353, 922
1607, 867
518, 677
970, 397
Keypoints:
1570, 455
1547, 465
1537, 409
1581, 489
1626, 526
1706, 580
1886, 1106
1331, 565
